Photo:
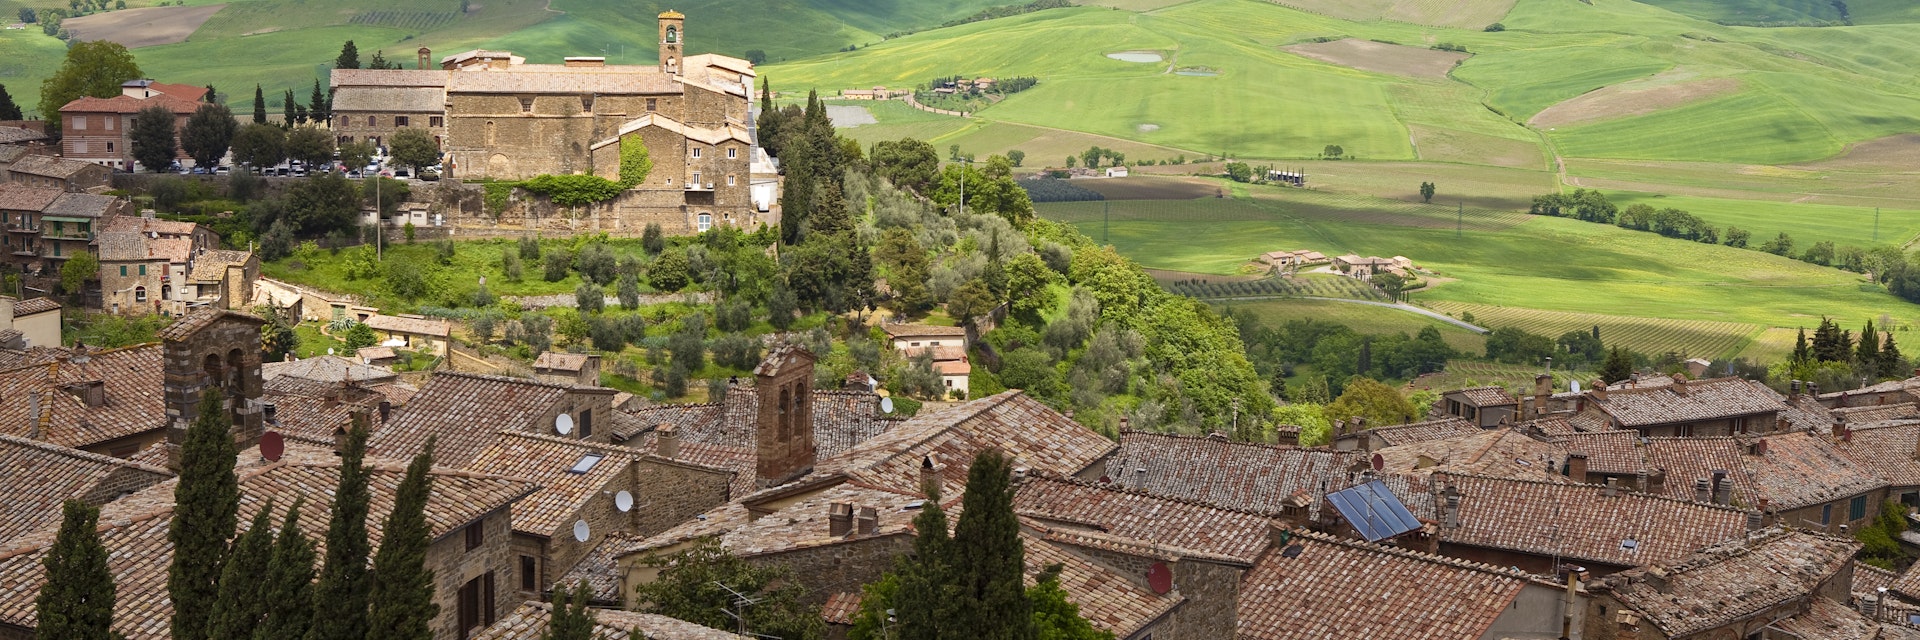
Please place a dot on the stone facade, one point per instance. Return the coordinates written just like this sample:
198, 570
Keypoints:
844, 567
483, 575
712, 185
675, 493
212, 349
370, 105
785, 424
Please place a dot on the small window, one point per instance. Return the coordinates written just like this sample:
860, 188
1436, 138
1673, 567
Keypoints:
109, 122
346, 120
123, 271
696, 179
80, 123
706, 221
399, 121
733, 152
434, 121
373, 120
730, 181
696, 152
586, 103
1858, 508
526, 104
586, 423
109, 146
476, 535
143, 269
653, 103
1826, 514
139, 294
529, 573
586, 463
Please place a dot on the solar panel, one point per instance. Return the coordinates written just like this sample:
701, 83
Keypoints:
1374, 511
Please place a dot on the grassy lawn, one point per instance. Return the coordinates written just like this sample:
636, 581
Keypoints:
455, 284
1806, 222
1361, 318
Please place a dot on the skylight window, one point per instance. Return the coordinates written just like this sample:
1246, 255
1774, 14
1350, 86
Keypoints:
586, 463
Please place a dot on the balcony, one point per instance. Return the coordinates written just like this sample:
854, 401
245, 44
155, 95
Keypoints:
699, 186
15, 227
68, 235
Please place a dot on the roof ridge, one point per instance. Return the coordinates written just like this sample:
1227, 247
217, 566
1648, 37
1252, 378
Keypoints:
1417, 555
1587, 486
582, 444
1067, 535
497, 378
83, 455
1042, 474
1265, 445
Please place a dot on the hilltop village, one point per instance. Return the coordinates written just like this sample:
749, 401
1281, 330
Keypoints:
1033, 440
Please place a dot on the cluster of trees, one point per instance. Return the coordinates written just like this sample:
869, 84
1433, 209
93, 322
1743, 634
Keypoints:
1336, 353
262, 582
1094, 155
1836, 359
51, 18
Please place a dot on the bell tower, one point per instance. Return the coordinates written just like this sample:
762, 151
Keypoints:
212, 349
673, 34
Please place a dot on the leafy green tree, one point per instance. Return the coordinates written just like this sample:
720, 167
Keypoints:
205, 514
589, 298
991, 601
412, 147
970, 301
259, 105
1391, 284
402, 596
1315, 429
781, 306
1333, 152
152, 137
260, 145
407, 279
1617, 367
349, 57
1781, 245
1240, 171
572, 619
359, 336
905, 261
670, 272
1579, 347
1071, 161
629, 291
1055, 617
689, 587
323, 203
1426, 192
1030, 285
1514, 345
1801, 353
653, 239
77, 270
1091, 157
310, 145
1017, 156
207, 134
95, 68
9, 110
908, 163
356, 155
340, 596
242, 605
76, 602
1378, 403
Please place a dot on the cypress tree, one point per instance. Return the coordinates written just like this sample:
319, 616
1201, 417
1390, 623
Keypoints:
349, 57
571, 619
317, 103
242, 603
286, 111
1801, 353
1868, 352
259, 106
205, 513
213, 97
1890, 359
76, 603
289, 582
8, 110
340, 598
988, 557
402, 598
1617, 366
924, 602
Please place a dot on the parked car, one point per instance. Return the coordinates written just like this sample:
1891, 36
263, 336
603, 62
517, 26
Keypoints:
402, 173
429, 175
222, 170
354, 174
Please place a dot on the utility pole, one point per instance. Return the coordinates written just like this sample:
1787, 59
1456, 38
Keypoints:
1459, 219
378, 230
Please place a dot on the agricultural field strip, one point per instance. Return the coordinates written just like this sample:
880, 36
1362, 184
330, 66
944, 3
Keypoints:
1692, 337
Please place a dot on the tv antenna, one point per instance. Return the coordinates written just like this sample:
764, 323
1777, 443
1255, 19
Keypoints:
739, 612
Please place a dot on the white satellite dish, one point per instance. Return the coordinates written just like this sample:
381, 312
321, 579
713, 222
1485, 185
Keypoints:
1576, 386
329, 350
563, 424
623, 501
580, 530
886, 405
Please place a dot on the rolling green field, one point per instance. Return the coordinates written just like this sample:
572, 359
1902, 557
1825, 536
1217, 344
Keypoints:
1360, 317
1806, 222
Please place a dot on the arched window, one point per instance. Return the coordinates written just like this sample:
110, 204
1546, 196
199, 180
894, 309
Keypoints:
139, 294
706, 222
673, 35
373, 120
212, 368
786, 414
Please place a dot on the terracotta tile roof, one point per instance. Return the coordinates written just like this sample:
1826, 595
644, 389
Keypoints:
940, 354
1035, 436
84, 205
389, 99
1551, 425
1887, 450
311, 411
1908, 583
35, 477
1829, 620
19, 197
529, 622
1878, 413
1732, 581
131, 377
32, 306
1140, 516
1797, 470
328, 368
599, 568
1338, 588
134, 530
465, 412
124, 104
436, 327
375, 353
201, 318
1486, 396
1704, 400
1805, 413
694, 422
17, 135
611, 81
561, 361
799, 525
1243, 476
922, 331
1503, 453
389, 77
952, 367
841, 607
1615, 452
549, 462
1410, 433
122, 246
1581, 522
1111, 602
144, 224
212, 265
49, 166
841, 419
11, 153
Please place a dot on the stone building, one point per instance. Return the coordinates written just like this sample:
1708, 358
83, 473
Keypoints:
97, 128
370, 105
206, 350
35, 322
100, 401
1537, 524
567, 368
142, 269
41, 475
532, 620
419, 333
1716, 407
1738, 589
1485, 407
50, 172
452, 406
1797, 479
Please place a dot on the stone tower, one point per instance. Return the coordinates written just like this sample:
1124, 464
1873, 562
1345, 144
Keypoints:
673, 34
210, 348
784, 425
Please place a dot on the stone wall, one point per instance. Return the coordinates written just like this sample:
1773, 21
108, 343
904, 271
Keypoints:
602, 518
121, 482
1808, 517
454, 565
674, 493
225, 353
1213, 597
843, 567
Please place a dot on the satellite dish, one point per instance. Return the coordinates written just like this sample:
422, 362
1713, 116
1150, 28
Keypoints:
1160, 578
623, 501
329, 350
563, 424
580, 532
272, 446
886, 405
1576, 386
1379, 462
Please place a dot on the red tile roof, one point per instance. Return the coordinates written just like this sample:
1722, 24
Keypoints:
19, 197
465, 412
1797, 470
131, 377
1250, 477
1141, 516
1338, 588
530, 621
1888, 450
124, 104
32, 306
1581, 522
35, 477
548, 461
1733, 581
1035, 436
1486, 396
1410, 433
1702, 400
1504, 453
1110, 601
1615, 452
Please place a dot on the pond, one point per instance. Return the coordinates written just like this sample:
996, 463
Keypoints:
1136, 56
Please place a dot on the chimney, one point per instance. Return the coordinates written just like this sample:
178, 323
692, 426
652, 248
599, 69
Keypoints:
1610, 490
1870, 607
1794, 387
92, 393
269, 413
424, 54
1840, 427
1453, 508
1542, 391
1657, 577
339, 441
1753, 521
1577, 467
666, 440
1659, 481
1722, 487
1124, 422
386, 411
1599, 390
33, 409
1813, 389
1702, 490
867, 522
929, 476
1680, 384
1640, 481
1339, 428
839, 519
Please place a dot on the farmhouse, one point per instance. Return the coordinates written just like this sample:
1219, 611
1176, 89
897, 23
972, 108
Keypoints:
97, 128
1486, 407
580, 369
1294, 258
1366, 268
1715, 407
420, 333
876, 93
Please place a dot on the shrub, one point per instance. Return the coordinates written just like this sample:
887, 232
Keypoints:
589, 297
557, 263
733, 315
